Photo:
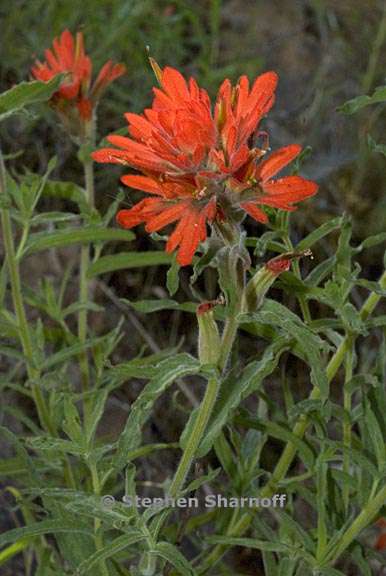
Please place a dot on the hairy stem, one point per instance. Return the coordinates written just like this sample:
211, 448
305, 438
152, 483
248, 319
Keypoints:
228, 338
197, 433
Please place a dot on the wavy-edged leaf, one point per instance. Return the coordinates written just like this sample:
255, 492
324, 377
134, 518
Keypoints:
26, 93
125, 260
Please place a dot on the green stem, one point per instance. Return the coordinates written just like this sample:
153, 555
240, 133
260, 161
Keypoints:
346, 421
88, 166
365, 518
97, 522
23, 328
227, 340
192, 445
290, 450
196, 435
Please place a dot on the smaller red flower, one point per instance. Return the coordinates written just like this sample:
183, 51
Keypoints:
68, 57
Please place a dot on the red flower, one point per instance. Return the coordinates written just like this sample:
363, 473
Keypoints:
68, 57
281, 193
201, 165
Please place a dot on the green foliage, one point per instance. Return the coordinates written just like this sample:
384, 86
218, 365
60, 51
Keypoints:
360, 102
24, 94
295, 403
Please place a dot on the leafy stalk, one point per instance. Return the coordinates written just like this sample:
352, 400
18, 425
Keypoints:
22, 322
299, 430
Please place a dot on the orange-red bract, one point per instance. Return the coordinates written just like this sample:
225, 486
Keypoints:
191, 157
68, 57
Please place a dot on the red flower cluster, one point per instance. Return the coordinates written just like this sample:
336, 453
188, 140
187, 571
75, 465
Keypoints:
68, 57
199, 165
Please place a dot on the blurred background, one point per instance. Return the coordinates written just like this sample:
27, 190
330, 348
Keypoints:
325, 53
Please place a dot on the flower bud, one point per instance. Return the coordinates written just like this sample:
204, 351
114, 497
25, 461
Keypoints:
209, 341
259, 285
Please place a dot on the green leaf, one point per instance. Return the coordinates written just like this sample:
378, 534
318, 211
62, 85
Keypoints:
321, 271
164, 375
55, 445
372, 286
250, 543
67, 353
280, 432
375, 147
330, 572
27, 93
99, 398
148, 306
130, 537
319, 233
172, 555
373, 240
310, 344
12, 466
52, 218
39, 528
173, 278
352, 106
66, 191
125, 260
376, 436
71, 236
288, 525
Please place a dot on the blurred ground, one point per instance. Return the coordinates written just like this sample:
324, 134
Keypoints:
325, 52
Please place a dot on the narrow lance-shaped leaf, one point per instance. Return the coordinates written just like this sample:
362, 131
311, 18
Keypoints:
69, 237
125, 260
39, 528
